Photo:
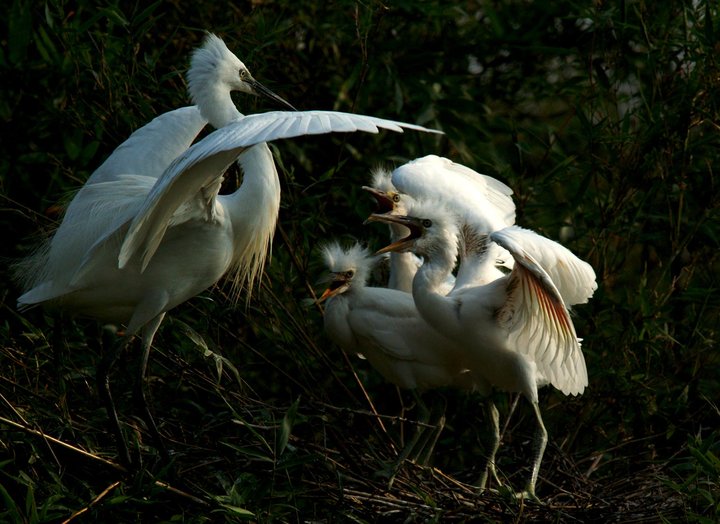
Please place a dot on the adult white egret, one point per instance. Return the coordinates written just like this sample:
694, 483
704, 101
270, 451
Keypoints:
516, 330
384, 326
149, 229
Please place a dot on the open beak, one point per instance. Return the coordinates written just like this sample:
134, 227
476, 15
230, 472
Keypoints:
338, 285
404, 244
383, 202
261, 90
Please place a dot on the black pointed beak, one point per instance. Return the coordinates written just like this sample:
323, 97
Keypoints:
261, 90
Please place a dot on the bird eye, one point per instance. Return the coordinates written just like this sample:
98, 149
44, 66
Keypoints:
396, 198
243, 74
349, 274
427, 223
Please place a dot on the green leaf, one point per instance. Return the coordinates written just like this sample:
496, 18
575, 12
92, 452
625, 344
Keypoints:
286, 427
238, 512
11, 508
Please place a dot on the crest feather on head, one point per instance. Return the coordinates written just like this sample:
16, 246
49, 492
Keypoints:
356, 258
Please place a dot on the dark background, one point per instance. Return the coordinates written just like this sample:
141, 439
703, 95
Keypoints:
602, 117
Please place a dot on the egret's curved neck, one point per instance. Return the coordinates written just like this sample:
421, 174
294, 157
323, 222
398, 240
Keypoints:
253, 211
437, 309
255, 205
216, 104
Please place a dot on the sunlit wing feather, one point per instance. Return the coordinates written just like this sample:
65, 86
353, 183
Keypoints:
537, 321
208, 159
574, 278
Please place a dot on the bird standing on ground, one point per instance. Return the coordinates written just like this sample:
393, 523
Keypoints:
385, 327
483, 203
515, 330
149, 230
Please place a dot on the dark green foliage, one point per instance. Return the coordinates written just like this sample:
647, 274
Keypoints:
603, 117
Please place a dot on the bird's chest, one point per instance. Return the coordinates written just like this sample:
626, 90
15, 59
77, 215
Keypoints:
337, 324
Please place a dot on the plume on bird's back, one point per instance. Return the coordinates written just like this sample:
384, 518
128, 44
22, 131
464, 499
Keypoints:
95, 210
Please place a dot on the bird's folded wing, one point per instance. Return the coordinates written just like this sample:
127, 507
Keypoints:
151, 149
204, 162
537, 320
386, 334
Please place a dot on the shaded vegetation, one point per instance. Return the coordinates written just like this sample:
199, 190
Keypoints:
604, 119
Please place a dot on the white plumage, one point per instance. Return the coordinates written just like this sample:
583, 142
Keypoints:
403, 266
385, 327
149, 229
516, 330
482, 204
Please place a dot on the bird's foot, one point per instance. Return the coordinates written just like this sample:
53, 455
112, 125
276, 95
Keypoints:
482, 483
528, 494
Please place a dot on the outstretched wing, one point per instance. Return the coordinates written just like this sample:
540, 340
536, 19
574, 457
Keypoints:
205, 162
574, 278
537, 320
151, 149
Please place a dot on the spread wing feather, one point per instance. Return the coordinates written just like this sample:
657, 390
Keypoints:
537, 320
204, 162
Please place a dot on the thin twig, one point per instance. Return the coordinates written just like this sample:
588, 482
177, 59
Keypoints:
65, 445
93, 502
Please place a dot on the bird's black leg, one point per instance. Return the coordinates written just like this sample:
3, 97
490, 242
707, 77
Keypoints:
494, 418
111, 352
426, 443
140, 396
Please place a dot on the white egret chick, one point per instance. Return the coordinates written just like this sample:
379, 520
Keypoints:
516, 330
403, 266
149, 229
385, 327
482, 203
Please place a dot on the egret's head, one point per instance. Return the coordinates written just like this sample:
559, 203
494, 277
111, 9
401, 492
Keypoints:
387, 198
214, 67
348, 267
431, 228
385, 201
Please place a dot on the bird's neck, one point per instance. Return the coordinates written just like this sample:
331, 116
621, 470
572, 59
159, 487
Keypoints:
477, 266
403, 266
216, 105
437, 309
253, 210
